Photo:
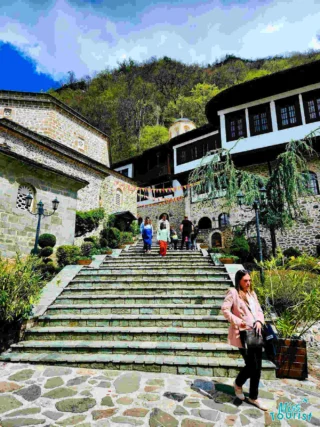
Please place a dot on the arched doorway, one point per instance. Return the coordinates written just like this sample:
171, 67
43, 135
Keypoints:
205, 223
216, 240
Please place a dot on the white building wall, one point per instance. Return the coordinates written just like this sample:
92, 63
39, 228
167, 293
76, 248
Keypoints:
276, 136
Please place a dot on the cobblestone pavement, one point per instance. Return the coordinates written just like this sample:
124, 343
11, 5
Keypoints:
63, 396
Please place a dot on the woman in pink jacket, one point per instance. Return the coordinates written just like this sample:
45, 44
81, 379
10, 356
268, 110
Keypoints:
242, 309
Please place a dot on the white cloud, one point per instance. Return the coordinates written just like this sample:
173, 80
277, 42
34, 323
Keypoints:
272, 28
64, 38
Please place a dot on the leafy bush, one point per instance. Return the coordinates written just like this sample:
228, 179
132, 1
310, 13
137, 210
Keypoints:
47, 240
215, 250
20, 287
47, 260
304, 263
233, 257
294, 297
47, 270
103, 242
135, 229
240, 247
126, 237
94, 240
292, 252
86, 248
67, 254
88, 221
45, 252
112, 235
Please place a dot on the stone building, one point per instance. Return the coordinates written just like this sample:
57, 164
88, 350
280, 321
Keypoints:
266, 113
49, 150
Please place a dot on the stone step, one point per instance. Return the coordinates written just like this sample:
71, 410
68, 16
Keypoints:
162, 270
125, 347
182, 321
155, 264
171, 255
119, 274
115, 299
163, 334
200, 366
110, 289
153, 280
135, 309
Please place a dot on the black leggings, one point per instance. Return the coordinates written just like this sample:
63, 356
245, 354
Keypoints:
252, 370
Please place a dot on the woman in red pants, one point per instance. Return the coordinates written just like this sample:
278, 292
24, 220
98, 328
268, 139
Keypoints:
163, 237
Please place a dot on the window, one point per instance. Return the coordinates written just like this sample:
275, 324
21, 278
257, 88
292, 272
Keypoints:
23, 191
195, 150
205, 223
311, 102
236, 125
7, 112
167, 184
288, 112
124, 172
312, 182
223, 221
142, 195
118, 198
260, 119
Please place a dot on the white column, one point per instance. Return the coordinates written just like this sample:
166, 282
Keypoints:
223, 130
273, 116
174, 159
247, 122
303, 116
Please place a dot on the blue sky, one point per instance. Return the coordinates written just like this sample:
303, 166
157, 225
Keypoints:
41, 40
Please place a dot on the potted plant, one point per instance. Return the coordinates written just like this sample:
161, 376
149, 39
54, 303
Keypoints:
294, 296
228, 259
84, 260
204, 246
86, 253
106, 251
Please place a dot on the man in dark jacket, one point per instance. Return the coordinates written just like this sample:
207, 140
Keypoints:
186, 230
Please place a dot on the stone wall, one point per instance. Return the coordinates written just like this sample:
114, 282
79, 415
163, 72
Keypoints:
46, 119
88, 197
304, 236
175, 210
17, 226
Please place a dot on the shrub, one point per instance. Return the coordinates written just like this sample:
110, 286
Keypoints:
88, 221
292, 252
46, 240
45, 252
67, 254
134, 227
47, 260
294, 295
304, 263
240, 247
94, 240
20, 287
103, 242
112, 235
86, 248
126, 237
47, 270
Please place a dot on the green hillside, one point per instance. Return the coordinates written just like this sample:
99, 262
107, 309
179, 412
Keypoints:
135, 103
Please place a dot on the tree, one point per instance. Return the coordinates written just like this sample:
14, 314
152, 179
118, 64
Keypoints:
285, 187
193, 105
151, 136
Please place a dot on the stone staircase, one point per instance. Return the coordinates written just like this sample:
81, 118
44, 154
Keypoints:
139, 312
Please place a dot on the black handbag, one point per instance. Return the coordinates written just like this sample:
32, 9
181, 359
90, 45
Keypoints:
251, 339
